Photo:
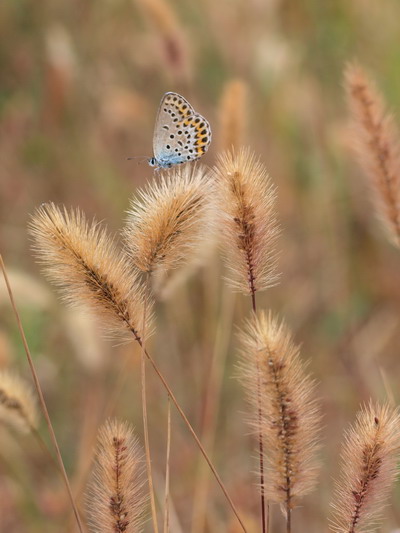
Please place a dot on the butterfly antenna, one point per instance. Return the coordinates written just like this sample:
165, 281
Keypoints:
142, 157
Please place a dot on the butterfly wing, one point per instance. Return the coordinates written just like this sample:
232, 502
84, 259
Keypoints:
180, 134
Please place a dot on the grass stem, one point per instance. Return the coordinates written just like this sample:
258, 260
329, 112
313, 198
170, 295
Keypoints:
167, 469
41, 397
144, 408
191, 430
264, 514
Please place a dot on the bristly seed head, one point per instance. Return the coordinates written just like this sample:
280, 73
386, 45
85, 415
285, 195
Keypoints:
84, 262
283, 407
377, 144
18, 406
246, 221
115, 501
369, 469
168, 222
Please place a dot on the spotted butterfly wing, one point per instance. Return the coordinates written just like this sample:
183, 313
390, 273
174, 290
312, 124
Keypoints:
180, 134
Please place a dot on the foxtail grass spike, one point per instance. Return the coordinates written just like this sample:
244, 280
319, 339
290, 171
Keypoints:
246, 221
377, 145
115, 498
18, 406
369, 468
290, 419
169, 220
84, 262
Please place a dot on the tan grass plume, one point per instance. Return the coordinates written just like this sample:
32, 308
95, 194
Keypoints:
168, 222
246, 220
18, 405
82, 259
290, 421
174, 45
377, 144
233, 115
115, 498
369, 469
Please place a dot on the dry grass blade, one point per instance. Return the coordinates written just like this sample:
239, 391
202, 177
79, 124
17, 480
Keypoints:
18, 406
144, 412
42, 402
211, 409
167, 472
83, 261
168, 221
115, 501
377, 143
369, 469
246, 221
195, 437
290, 421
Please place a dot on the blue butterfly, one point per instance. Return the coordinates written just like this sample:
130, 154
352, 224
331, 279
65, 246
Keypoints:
180, 134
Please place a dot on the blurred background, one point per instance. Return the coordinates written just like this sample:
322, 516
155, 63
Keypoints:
80, 85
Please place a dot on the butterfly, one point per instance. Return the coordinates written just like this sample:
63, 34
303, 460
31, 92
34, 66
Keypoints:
180, 134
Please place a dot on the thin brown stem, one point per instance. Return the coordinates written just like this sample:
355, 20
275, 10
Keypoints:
211, 409
167, 470
253, 300
41, 397
120, 382
44, 448
191, 430
264, 515
261, 453
288, 519
144, 408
